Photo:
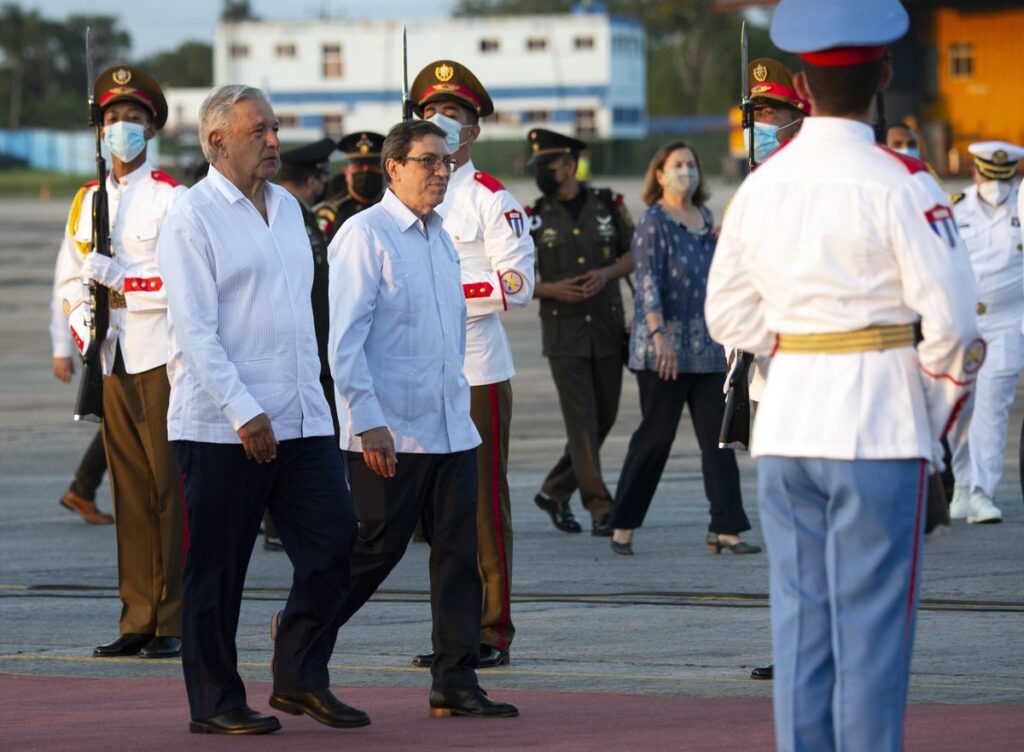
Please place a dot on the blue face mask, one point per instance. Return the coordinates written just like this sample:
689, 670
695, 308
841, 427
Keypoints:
125, 140
910, 151
452, 130
765, 140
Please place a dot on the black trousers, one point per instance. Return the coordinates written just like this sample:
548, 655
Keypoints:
440, 490
89, 473
588, 392
661, 405
226, 494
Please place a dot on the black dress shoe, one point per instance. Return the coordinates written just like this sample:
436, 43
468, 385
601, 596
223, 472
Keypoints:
600, 527
492, 657
766, 673
126, 644
560, 512
423, 660
320, 705
243, 720
162, 646
472, 702
623, 549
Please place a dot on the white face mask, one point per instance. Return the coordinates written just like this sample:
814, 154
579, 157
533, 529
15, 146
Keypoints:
994, 192
125, 140
682, 181
452, 131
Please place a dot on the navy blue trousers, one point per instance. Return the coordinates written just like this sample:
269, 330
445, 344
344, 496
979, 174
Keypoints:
305, 491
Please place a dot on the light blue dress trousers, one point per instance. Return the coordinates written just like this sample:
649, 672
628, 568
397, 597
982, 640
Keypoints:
844, 544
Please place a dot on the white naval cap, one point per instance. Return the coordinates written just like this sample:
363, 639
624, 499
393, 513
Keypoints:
838, 32
996, 160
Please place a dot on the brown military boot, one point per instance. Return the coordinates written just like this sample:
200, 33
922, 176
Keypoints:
84, 508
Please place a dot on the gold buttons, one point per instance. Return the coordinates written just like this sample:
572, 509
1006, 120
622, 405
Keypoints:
587, 318
981, 308
576, 230
581, 260
554, 312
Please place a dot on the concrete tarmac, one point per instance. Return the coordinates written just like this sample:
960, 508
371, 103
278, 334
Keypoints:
673, 620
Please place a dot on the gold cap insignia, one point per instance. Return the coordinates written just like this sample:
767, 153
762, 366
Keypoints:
760, 89
760, 72
536, 146
364, 144
444, 72
999, 157
122, 76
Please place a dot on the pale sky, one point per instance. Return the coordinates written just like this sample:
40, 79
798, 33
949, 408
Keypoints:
160, 25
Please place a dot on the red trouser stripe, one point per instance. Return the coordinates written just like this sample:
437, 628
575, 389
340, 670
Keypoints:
496, 507
922, 485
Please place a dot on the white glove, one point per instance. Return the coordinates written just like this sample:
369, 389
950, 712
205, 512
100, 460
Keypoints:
104, 270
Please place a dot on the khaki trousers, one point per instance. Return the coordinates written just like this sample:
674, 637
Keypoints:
145, 483
491, 410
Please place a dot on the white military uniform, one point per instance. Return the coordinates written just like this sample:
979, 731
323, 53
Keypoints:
137, 205
491, 234
993, 239
862, 238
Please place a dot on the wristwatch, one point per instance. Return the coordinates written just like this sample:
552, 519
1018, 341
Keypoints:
659, 330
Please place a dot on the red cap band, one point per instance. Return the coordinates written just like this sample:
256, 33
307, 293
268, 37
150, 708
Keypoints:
450, 89
838, 56
127, 91
779, 90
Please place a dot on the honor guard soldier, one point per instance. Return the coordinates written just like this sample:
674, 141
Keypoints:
489, 229
986, 215
145, 480
364, 182
582, 235
778, 109
863, 246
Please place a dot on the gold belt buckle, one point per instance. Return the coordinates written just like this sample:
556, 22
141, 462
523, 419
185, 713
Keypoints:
117, 300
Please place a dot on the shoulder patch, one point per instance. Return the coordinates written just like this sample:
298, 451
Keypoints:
489, 182
956, 198
912, 164
162, 177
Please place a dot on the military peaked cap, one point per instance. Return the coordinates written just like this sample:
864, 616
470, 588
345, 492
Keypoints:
362, 147
126, 83
545, 145
838, 32
316, 153
447, 79
770, 79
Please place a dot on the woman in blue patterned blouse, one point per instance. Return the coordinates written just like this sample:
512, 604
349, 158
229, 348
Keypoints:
675, 361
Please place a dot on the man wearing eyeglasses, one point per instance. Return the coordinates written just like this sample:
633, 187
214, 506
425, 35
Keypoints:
490, 233
397, 344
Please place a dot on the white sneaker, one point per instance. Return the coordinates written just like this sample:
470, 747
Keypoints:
958, 506
981, 510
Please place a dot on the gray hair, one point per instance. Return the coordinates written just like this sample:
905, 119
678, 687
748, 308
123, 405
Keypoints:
213, 113
398, 142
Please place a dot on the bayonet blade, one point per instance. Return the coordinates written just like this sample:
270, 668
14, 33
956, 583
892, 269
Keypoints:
744, 63
88, 64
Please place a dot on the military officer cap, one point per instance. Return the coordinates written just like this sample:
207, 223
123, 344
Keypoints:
770, 79
447, 79
126, 83
996, 160
315, 154
838, 32
546, 145
362, 147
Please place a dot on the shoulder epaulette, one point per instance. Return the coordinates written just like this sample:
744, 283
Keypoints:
162, 177
91, 184
956, 198
912, 164
75, 216
489, 182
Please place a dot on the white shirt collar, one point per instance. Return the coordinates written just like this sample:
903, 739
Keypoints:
820, 126
403, 216
231, 192
132, 179
462, 175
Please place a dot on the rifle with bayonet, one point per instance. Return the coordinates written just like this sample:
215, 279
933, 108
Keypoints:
89, 405
406, 104
735, 431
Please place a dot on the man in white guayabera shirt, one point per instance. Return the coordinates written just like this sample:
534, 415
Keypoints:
397, 344
250, 423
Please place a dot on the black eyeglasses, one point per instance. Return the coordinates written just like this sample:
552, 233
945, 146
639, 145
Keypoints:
431, 162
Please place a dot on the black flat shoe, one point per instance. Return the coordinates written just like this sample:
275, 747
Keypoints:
162, 646
716, 546
471, 702
243, 720
600, 527
765, 673
423, 660
492, 657
320, 705
126, 644
560, 513
272, 544
623, 549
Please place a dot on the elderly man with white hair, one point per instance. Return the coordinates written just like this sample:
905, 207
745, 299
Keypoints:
250, 424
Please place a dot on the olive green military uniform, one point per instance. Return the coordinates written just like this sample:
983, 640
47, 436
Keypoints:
333, 213
583, 342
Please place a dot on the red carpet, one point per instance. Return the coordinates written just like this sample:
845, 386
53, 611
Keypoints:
61, 713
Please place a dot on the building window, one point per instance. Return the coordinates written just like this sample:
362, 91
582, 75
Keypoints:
586, 123
332, 67
537, 44
286, 49
287, 121
334, 125
626, 45
489, 45
238, 50
583, 43
626, 116
535, 116
502, 118
961, 60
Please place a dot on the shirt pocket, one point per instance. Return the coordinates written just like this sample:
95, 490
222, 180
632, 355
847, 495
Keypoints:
462, 228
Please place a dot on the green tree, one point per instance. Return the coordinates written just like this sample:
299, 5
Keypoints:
237, 10
191, 64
